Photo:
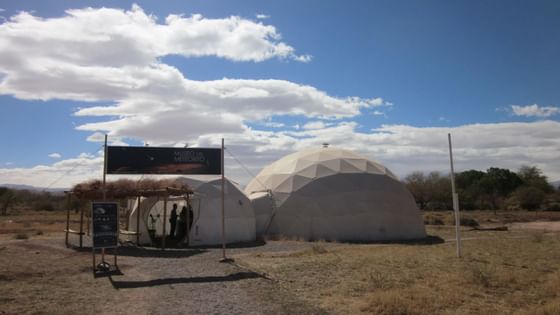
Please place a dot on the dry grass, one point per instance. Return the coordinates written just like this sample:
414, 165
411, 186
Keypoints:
501, 273
37, 223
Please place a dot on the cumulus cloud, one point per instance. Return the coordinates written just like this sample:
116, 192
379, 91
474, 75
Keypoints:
63, 173
534, 110
113, 57
55, 155
314, 125
262, 16
402, 148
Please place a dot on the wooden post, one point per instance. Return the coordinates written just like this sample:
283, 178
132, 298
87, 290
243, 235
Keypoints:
88, 223
164, 225
138, 221
455, 200
223, 207
67, 219
81, 226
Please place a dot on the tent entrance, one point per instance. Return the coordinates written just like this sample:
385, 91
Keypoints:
176, 227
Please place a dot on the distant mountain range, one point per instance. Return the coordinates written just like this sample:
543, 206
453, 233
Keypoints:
33, 188
556, 183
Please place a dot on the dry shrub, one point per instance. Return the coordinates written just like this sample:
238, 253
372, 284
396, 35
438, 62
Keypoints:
123, 188
551, 308
393, 303
319, 249
376, 280
480, 275
21, 236
537, 237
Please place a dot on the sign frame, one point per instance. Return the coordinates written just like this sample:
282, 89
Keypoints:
104, 224
163, 160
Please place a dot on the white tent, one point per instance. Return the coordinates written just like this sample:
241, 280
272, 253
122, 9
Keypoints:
333, 194
207, 218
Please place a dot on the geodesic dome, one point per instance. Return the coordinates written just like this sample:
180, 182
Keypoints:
333, 194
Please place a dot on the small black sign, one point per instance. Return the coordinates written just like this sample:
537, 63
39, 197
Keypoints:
105, 220
158, 160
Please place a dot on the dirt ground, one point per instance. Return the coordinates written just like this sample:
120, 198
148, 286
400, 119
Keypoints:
41, 276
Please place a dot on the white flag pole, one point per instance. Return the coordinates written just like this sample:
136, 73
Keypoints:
455, 200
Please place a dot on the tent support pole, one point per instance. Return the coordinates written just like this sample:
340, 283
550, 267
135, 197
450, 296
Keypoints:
224, 257
105, 168
164, 236
67, 218
81, 226
138, 222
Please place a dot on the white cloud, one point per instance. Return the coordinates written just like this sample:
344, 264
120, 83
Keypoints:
63, 173
535, 110
113, 57
262, 16
55, 155
314, 125
402, 148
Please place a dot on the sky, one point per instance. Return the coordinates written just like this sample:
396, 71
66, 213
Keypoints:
387, 79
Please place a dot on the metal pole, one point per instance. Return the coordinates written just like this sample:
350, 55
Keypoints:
223, 207
188, 219
104, 167
164, 225
67, 218
455, 200
81, 226
138, 221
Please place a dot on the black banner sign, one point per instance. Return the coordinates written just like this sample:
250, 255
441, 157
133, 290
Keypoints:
154, 160
105, 221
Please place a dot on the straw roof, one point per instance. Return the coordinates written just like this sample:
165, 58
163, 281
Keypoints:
124, 188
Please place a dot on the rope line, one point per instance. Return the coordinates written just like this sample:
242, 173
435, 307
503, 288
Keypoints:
245, 168
70, 170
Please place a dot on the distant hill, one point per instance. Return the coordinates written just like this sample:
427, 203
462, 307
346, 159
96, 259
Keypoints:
556, 184
33, 188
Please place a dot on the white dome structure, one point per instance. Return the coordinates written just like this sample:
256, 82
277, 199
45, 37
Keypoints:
207, 216
333, 194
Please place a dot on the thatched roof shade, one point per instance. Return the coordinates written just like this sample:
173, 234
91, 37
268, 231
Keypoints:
126, 188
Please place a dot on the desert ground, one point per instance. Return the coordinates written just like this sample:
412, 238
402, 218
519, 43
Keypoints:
501, 271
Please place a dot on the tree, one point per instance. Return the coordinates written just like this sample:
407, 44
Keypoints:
7, 198
530, 198
430, 192
532, 176
497, 184
416, 184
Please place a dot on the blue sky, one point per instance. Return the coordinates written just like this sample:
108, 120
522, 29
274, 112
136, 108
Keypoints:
485, 71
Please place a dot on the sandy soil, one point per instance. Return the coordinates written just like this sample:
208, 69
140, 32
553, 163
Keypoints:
41, 276
549, 226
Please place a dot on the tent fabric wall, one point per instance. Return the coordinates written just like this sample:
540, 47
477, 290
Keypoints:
333, 194
207, 216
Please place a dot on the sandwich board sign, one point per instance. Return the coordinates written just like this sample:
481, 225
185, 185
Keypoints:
105, 221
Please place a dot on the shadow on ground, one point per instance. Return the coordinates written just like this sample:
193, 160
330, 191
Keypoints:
150, 283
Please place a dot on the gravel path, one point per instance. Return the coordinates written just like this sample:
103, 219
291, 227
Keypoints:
193, 281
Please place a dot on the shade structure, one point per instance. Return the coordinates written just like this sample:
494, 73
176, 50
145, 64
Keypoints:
206, 205
333, 194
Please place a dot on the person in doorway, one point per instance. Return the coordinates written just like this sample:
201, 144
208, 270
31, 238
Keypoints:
173, 221
191, 218
181, 229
